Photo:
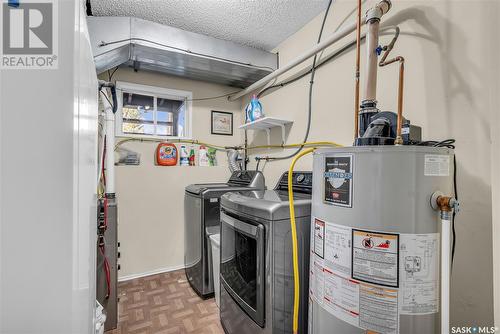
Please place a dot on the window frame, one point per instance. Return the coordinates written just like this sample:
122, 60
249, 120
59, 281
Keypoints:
156, 93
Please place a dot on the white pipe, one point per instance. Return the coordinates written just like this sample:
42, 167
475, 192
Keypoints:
370, 93
380, 9
445, 271
109, 164
373, 17
339, 34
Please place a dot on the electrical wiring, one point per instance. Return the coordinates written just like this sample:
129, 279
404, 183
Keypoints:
107, 272
311, 84
106, 96
110, 76
101, 190
212, 97
449, 143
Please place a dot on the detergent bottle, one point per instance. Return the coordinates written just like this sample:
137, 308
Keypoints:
184, 156
203, 156
191, 157
166, 154
254, 109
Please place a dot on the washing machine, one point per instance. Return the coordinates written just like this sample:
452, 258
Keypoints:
256, 258
201, 219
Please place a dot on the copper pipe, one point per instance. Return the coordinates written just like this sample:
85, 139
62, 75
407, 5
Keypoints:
444, 203
401, 60
357, 75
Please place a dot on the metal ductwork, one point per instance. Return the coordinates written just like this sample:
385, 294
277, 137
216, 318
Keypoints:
152, 46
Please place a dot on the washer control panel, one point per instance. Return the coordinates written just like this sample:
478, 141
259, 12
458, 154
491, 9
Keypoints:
302, 182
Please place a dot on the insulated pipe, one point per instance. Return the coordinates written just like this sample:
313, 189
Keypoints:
336, 36
373, 16
109, 118
370, 93
358, 61
445, 270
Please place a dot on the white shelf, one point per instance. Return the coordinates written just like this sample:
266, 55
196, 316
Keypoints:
266, 124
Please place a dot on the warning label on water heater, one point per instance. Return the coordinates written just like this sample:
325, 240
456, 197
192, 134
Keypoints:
437, 165
419, 273
375, 257
338, 180
369, 278
372, 307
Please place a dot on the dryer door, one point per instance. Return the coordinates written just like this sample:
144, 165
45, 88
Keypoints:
243, 264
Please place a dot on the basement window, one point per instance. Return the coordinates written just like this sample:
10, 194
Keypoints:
152, 112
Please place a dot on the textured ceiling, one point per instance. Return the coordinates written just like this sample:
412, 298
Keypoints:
258, 23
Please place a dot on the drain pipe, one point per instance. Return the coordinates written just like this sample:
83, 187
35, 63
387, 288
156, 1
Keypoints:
445, 205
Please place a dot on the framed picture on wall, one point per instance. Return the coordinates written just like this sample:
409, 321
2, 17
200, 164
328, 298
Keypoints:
222, 123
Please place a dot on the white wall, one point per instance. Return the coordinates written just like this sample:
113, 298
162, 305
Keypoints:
151, 198
450, 90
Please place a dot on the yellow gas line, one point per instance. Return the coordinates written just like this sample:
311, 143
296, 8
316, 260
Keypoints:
173, 141
222, 148
306, 144
293, 226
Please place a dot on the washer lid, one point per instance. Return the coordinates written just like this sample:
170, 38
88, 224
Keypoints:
266, 204
199, 188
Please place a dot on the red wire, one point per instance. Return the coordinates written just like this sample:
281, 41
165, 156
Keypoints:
102, 248
107, 272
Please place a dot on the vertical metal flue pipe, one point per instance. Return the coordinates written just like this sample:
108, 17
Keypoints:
371, 60
357, 74
373, 16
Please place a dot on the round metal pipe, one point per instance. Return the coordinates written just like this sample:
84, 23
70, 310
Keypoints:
336, 36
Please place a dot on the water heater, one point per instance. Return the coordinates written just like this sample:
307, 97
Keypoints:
375, 239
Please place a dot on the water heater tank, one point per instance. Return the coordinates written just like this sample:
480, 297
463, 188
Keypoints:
375, 240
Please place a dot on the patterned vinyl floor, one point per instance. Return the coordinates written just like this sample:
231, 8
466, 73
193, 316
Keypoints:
164, 304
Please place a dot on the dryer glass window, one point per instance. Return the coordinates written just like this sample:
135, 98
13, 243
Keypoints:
239, 263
